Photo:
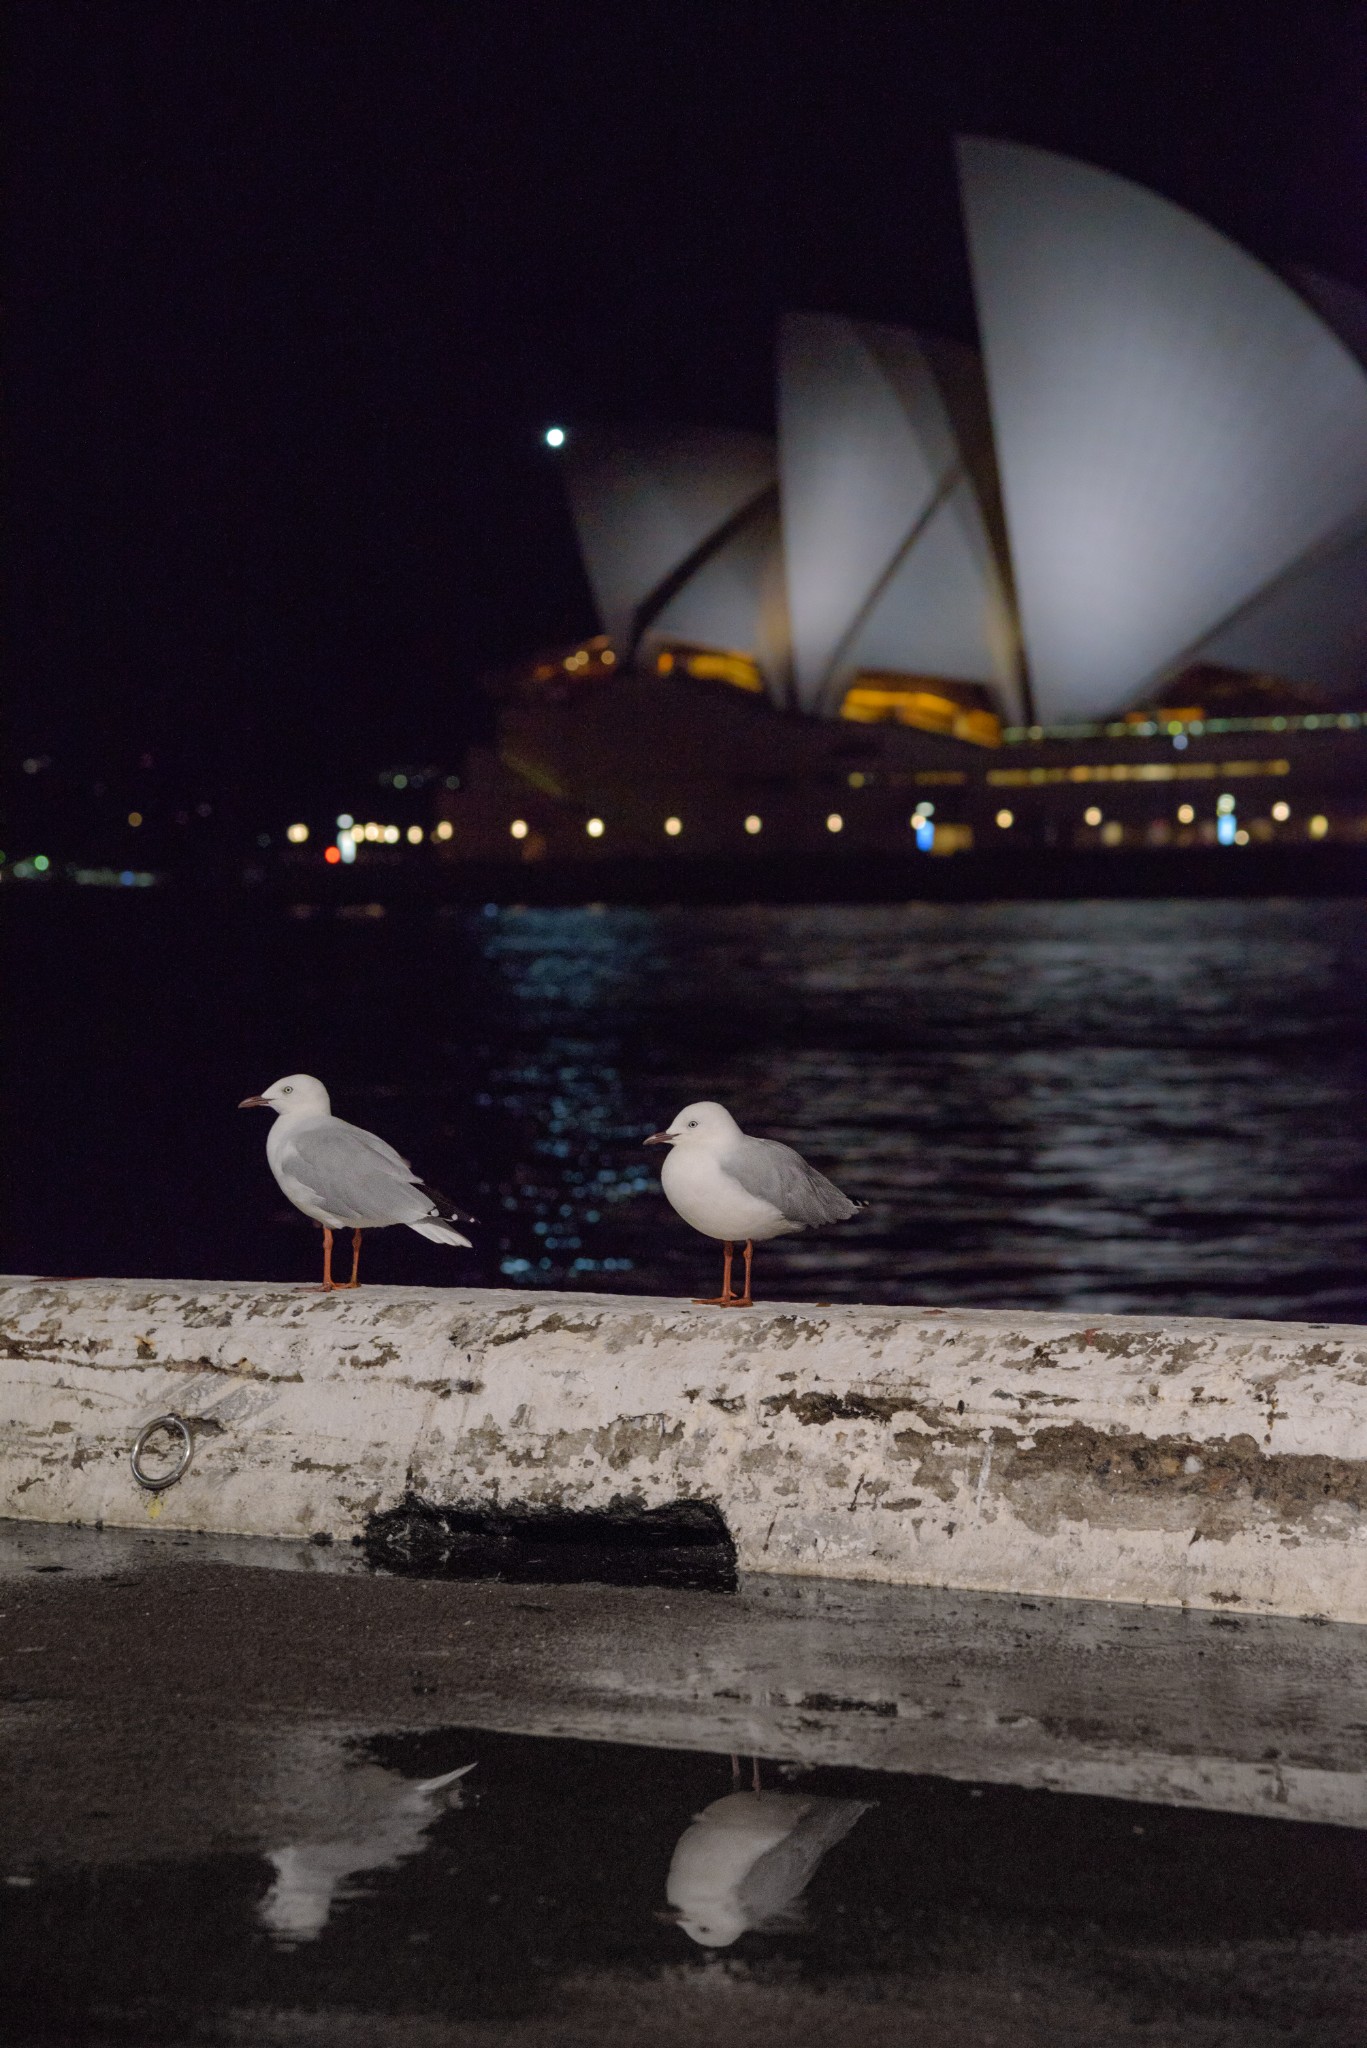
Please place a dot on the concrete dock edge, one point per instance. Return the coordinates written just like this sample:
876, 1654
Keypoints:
1179, 1461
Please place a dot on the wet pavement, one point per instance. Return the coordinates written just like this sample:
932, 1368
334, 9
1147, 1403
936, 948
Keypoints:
256, 1793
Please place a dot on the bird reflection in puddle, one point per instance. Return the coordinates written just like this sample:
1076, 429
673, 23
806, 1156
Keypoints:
745, 1861
311, 1876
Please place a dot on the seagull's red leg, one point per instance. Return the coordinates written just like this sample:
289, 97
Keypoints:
745, 1300
328, 1282
726, 1297
735, 1770
355, 1262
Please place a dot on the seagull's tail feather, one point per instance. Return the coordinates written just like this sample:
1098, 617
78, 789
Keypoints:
440, 1226
439, 1230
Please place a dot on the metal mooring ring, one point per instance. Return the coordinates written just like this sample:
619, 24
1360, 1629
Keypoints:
173, 1426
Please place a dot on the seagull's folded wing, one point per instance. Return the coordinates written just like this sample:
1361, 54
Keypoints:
775, 1173
354, 1174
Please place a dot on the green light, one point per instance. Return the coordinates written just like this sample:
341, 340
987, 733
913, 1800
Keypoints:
41, 862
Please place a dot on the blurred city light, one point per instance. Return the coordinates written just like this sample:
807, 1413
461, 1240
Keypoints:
594, 828
297, 834
754, 824
518, 828
835, 823
673, 826
554, 437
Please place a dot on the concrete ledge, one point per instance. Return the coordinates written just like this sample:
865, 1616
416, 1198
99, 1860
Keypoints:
1183, 1462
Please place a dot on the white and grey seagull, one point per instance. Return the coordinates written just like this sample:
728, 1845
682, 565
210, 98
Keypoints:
343, 1177
741, 1189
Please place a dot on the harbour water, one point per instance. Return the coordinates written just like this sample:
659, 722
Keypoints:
1105, 1106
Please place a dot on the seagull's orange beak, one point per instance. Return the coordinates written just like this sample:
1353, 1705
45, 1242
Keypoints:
659, 1138
253, 1102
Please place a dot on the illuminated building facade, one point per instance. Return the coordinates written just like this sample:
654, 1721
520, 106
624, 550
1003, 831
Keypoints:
1101, 583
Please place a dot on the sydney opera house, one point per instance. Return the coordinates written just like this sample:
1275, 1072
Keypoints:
1100, 580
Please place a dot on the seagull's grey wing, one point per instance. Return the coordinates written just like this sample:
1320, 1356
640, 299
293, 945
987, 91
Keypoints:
353, 1174
772, 1886
775, 1173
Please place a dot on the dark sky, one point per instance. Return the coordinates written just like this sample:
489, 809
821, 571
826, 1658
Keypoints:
296, 287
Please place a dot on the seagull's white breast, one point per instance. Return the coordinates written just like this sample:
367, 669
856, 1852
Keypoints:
706, 1195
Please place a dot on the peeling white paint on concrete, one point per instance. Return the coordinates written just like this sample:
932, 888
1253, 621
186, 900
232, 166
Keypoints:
1180, 1461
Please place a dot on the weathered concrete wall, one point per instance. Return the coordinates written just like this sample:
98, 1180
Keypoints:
1178, 1461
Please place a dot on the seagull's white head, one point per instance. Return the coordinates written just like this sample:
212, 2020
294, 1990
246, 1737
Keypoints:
295, 1095
705, 1125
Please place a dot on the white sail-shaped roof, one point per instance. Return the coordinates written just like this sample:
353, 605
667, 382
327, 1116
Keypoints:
677, 528
1175, 427
888, 562
1310, 626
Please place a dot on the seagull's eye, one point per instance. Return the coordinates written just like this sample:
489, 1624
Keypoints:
287, 1091
692, 1123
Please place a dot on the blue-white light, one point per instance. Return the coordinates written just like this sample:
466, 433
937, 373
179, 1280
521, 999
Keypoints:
925, 835
554, 437
1225, 828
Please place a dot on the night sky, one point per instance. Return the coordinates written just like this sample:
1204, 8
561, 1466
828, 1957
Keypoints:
296, 288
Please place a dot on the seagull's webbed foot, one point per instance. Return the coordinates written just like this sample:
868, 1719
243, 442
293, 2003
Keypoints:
726, 1299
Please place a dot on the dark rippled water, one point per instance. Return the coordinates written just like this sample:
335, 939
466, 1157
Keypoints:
1105, 1106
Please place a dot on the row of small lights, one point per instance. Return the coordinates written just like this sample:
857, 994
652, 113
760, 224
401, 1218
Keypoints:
1227, 828
350, 835
1148, 728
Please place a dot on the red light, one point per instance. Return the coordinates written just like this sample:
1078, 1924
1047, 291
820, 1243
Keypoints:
332, 854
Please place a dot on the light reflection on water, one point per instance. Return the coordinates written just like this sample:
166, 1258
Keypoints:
1112, 1106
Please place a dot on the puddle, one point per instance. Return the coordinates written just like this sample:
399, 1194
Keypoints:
261, 1794
460, 1885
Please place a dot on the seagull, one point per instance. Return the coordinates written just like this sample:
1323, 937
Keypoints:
746, 1859
732, 1187
343, 1177
390, 1826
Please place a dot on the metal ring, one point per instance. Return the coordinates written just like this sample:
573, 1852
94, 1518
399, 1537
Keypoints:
173, 1426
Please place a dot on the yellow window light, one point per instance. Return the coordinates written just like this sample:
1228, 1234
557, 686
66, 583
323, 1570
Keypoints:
754, 824
372, 831
414, 835
1113, 834
928, 710
835, 823
736, 669
297, 834
1281, 812
518, 828
673, 826
135, 818
594, 828
391, 835
1092, 815
1006, 819
1186, 814
1241, 837
1318, 826
444, 830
